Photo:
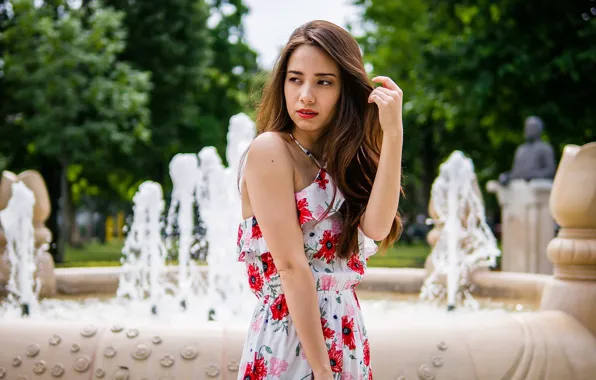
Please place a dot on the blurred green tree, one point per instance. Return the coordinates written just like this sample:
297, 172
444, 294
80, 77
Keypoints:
199, 63
472, 71
66, 94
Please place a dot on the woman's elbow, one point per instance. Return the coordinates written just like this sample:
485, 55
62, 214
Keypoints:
377, 234
290, 269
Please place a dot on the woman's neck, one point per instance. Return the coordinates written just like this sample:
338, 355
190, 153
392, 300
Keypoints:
310, 141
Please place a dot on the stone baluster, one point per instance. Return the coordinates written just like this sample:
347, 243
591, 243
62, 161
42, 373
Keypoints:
573, 251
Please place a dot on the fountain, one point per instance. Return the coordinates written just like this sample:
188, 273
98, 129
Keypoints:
408, 340
465, 242
211, 186
17, 222
41, 234
219, 201
143, 266
184, 172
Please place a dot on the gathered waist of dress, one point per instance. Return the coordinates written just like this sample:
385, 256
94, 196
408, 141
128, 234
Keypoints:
336, 291
320, 294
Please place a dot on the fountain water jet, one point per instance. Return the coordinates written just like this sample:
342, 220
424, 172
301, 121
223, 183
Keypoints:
184, 172
213, 188
220, 204
465, 242
17, 223
144, 252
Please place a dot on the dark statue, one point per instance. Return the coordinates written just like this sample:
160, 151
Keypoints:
534, 158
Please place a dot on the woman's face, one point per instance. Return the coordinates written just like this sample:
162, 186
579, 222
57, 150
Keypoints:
312, 87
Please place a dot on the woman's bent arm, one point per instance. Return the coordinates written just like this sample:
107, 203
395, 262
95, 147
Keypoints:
269, 178
384, 197
382, 204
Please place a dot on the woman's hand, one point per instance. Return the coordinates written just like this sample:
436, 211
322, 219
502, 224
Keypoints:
389, 99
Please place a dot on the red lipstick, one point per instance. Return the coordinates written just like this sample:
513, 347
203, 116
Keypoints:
307, 113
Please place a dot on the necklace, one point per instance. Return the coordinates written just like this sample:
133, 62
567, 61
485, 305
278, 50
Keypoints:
306, 151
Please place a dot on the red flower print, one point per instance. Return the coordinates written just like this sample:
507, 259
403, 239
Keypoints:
355, 264
347, 332
239, 234
256, 230
256, 370
366, 353
254, 278
259, 369
248, 375
279, 308
328, 246
327, 332
322, 179
268, 266
304, 214
370, 374
336, 358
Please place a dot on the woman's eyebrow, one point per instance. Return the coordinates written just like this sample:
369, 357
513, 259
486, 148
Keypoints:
317, 74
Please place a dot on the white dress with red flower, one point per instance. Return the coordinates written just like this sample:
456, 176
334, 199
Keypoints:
272, 349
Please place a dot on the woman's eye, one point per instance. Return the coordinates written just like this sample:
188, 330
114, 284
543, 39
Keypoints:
294, 79
325, 82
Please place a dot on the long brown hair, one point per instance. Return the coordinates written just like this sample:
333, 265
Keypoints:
355, 128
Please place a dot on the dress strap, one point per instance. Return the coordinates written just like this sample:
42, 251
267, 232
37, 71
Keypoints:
306, 151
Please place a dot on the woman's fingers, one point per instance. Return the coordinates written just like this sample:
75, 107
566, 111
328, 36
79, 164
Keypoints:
387, 83
386, 97
380, 95
375, 97
392, 93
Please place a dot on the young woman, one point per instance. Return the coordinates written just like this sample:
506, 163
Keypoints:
321, 182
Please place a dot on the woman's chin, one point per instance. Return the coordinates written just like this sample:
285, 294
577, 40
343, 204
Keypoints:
308, 125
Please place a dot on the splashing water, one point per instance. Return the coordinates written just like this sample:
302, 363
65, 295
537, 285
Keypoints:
466, 242
220, 207
184, 172
17, 224
213, 188
143, 273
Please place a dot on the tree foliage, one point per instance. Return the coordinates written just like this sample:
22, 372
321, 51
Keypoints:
472, 71
68, 102
185, 60
64, 87
197, 71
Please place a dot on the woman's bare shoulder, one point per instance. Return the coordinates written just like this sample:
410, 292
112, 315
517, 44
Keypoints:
270, 140
269, 148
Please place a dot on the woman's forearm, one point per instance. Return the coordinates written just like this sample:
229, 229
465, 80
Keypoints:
301, 297
384, 197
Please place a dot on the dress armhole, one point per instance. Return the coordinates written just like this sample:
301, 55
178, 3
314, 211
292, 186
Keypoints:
368, 247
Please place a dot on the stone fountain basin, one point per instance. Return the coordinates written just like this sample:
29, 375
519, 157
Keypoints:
475, 345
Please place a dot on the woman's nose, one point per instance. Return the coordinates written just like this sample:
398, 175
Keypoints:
306, 95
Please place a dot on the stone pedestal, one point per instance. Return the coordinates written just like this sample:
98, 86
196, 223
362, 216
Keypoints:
527, 225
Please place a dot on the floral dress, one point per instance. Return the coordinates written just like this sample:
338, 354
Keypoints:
272, 349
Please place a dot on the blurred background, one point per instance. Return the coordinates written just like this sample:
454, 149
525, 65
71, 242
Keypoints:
98, 96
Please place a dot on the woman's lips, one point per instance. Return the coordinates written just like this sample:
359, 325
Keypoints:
306, 114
